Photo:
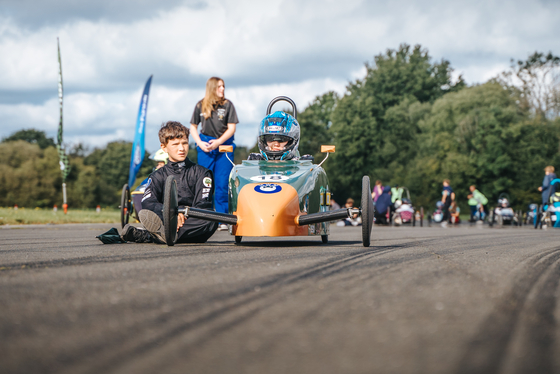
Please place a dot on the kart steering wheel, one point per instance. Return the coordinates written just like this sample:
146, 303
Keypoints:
282, 98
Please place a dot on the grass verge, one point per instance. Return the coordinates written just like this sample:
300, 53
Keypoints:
26, 216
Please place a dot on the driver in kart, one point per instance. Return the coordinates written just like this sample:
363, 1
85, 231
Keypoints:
195, 188
278, 139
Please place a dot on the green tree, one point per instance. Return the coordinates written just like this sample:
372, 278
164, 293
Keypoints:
29, 175
368, 135
31, 136
539, 76
315, 122
481, 136
112, 165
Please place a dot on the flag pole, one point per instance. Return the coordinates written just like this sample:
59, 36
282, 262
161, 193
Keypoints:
63, 158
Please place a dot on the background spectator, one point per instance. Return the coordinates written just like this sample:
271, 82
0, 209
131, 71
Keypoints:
377, 191
218, 120
477, 201
548, 177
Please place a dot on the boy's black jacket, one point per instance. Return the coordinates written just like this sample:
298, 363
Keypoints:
195, 186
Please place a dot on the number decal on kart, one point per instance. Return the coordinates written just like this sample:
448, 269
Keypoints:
270, 178
268, 188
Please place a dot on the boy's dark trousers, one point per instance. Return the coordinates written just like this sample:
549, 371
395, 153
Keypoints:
194, 230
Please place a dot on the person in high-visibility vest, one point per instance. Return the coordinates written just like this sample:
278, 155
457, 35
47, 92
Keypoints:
477, 201
396, 193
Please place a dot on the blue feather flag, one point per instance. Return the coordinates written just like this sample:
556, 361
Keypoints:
138, 150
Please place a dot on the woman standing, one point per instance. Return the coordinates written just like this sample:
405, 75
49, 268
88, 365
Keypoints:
377, 191
218, 119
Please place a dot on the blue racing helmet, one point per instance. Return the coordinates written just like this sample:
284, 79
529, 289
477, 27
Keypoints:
279, 127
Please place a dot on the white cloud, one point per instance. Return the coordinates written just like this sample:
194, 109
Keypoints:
96, 119
261, 49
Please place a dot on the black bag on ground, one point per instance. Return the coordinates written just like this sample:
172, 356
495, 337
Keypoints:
111, 237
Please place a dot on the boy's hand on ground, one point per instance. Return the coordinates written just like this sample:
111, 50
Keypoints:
180, 220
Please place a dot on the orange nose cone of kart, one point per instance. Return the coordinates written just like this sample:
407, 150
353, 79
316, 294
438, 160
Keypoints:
268, 210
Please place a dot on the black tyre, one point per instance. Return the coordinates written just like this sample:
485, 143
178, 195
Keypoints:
421, 216
367, 211
170, 210
413, 220
325, 239
538, 220
126, 205
238, 239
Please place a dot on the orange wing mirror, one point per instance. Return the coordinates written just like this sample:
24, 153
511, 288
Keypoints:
226, 149
326, 149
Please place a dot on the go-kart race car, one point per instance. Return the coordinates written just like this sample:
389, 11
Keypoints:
272, 198
503, 214
530, 217
437, 215
131, 202
549, 214
405, 213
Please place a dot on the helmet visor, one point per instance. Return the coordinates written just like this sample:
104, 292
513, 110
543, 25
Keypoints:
276, 138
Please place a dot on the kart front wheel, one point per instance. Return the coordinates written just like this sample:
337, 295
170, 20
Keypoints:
238, 239
170, 210
367, 209
126, 205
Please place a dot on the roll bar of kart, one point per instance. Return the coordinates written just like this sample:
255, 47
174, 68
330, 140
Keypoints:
282, 98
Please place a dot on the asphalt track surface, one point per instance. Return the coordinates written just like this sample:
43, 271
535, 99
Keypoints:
419, 300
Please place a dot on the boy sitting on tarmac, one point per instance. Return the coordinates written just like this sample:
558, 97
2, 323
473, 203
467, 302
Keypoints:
195, 188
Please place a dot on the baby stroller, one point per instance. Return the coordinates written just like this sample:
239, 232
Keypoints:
437, 215
503, 214
405, 213
531, 215
550, 212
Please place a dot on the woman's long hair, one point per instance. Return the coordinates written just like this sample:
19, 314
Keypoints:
211, 98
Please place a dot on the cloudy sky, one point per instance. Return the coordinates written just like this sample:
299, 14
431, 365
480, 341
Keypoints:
298, 48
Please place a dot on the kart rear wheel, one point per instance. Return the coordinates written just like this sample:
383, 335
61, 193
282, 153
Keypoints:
421, 216
325, 239
238, 239
538, 220
170, 210
413, 220
126, 205
367, 211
